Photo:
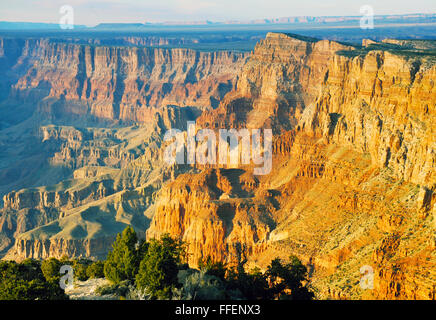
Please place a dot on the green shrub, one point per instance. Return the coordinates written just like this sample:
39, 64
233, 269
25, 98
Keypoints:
217, 269
198, 285
50, 268
80, 267
95, 270
118, 289
159, 267
26, 281
123, 261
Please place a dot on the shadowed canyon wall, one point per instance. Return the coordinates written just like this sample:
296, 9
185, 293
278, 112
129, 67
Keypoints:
110, 82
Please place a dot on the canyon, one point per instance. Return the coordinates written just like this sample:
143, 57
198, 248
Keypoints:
354, 154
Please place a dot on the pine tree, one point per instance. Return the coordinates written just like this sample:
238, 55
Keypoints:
289, 277
159, 268
123, 261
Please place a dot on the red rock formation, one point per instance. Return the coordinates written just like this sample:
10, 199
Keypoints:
362, 140
353, 180
199, 209
125, 83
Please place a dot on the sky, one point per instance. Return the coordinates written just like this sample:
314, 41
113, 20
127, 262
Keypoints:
92, 12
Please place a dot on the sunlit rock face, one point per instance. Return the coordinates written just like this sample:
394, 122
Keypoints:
353, 176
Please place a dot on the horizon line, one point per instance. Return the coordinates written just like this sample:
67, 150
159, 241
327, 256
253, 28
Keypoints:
224, 22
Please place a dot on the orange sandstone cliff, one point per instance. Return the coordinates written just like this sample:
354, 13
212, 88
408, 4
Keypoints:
353, 177
353, 180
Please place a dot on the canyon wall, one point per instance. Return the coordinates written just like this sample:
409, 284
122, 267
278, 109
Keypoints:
120, 83
353, 177
355, 172
215, 215
60, 82
382, 104
56, 97
283, 75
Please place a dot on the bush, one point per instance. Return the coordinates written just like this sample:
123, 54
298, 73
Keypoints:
217, 269
80, 267
119, 289
50, 268
289, 277
95, 270
26, 281
198, 285
138, 294
30, 269
253, 285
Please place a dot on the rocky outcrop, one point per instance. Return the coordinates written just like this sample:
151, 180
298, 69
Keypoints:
357, 165
383, 105
58, 248
199, 209
283, 75
365, 102
69, 198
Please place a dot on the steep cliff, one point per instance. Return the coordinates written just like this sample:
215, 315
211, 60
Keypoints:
353, 177
121, 83
283, 75
353, 180
214, 213
61, 103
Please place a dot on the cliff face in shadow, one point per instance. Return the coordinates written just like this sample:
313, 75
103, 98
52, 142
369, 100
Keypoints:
117, 83
53, 94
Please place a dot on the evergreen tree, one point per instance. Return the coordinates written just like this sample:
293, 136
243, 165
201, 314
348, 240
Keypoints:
289, 277
26, 281
50, 268
95, 270
123, 261
159, 267
253, 285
